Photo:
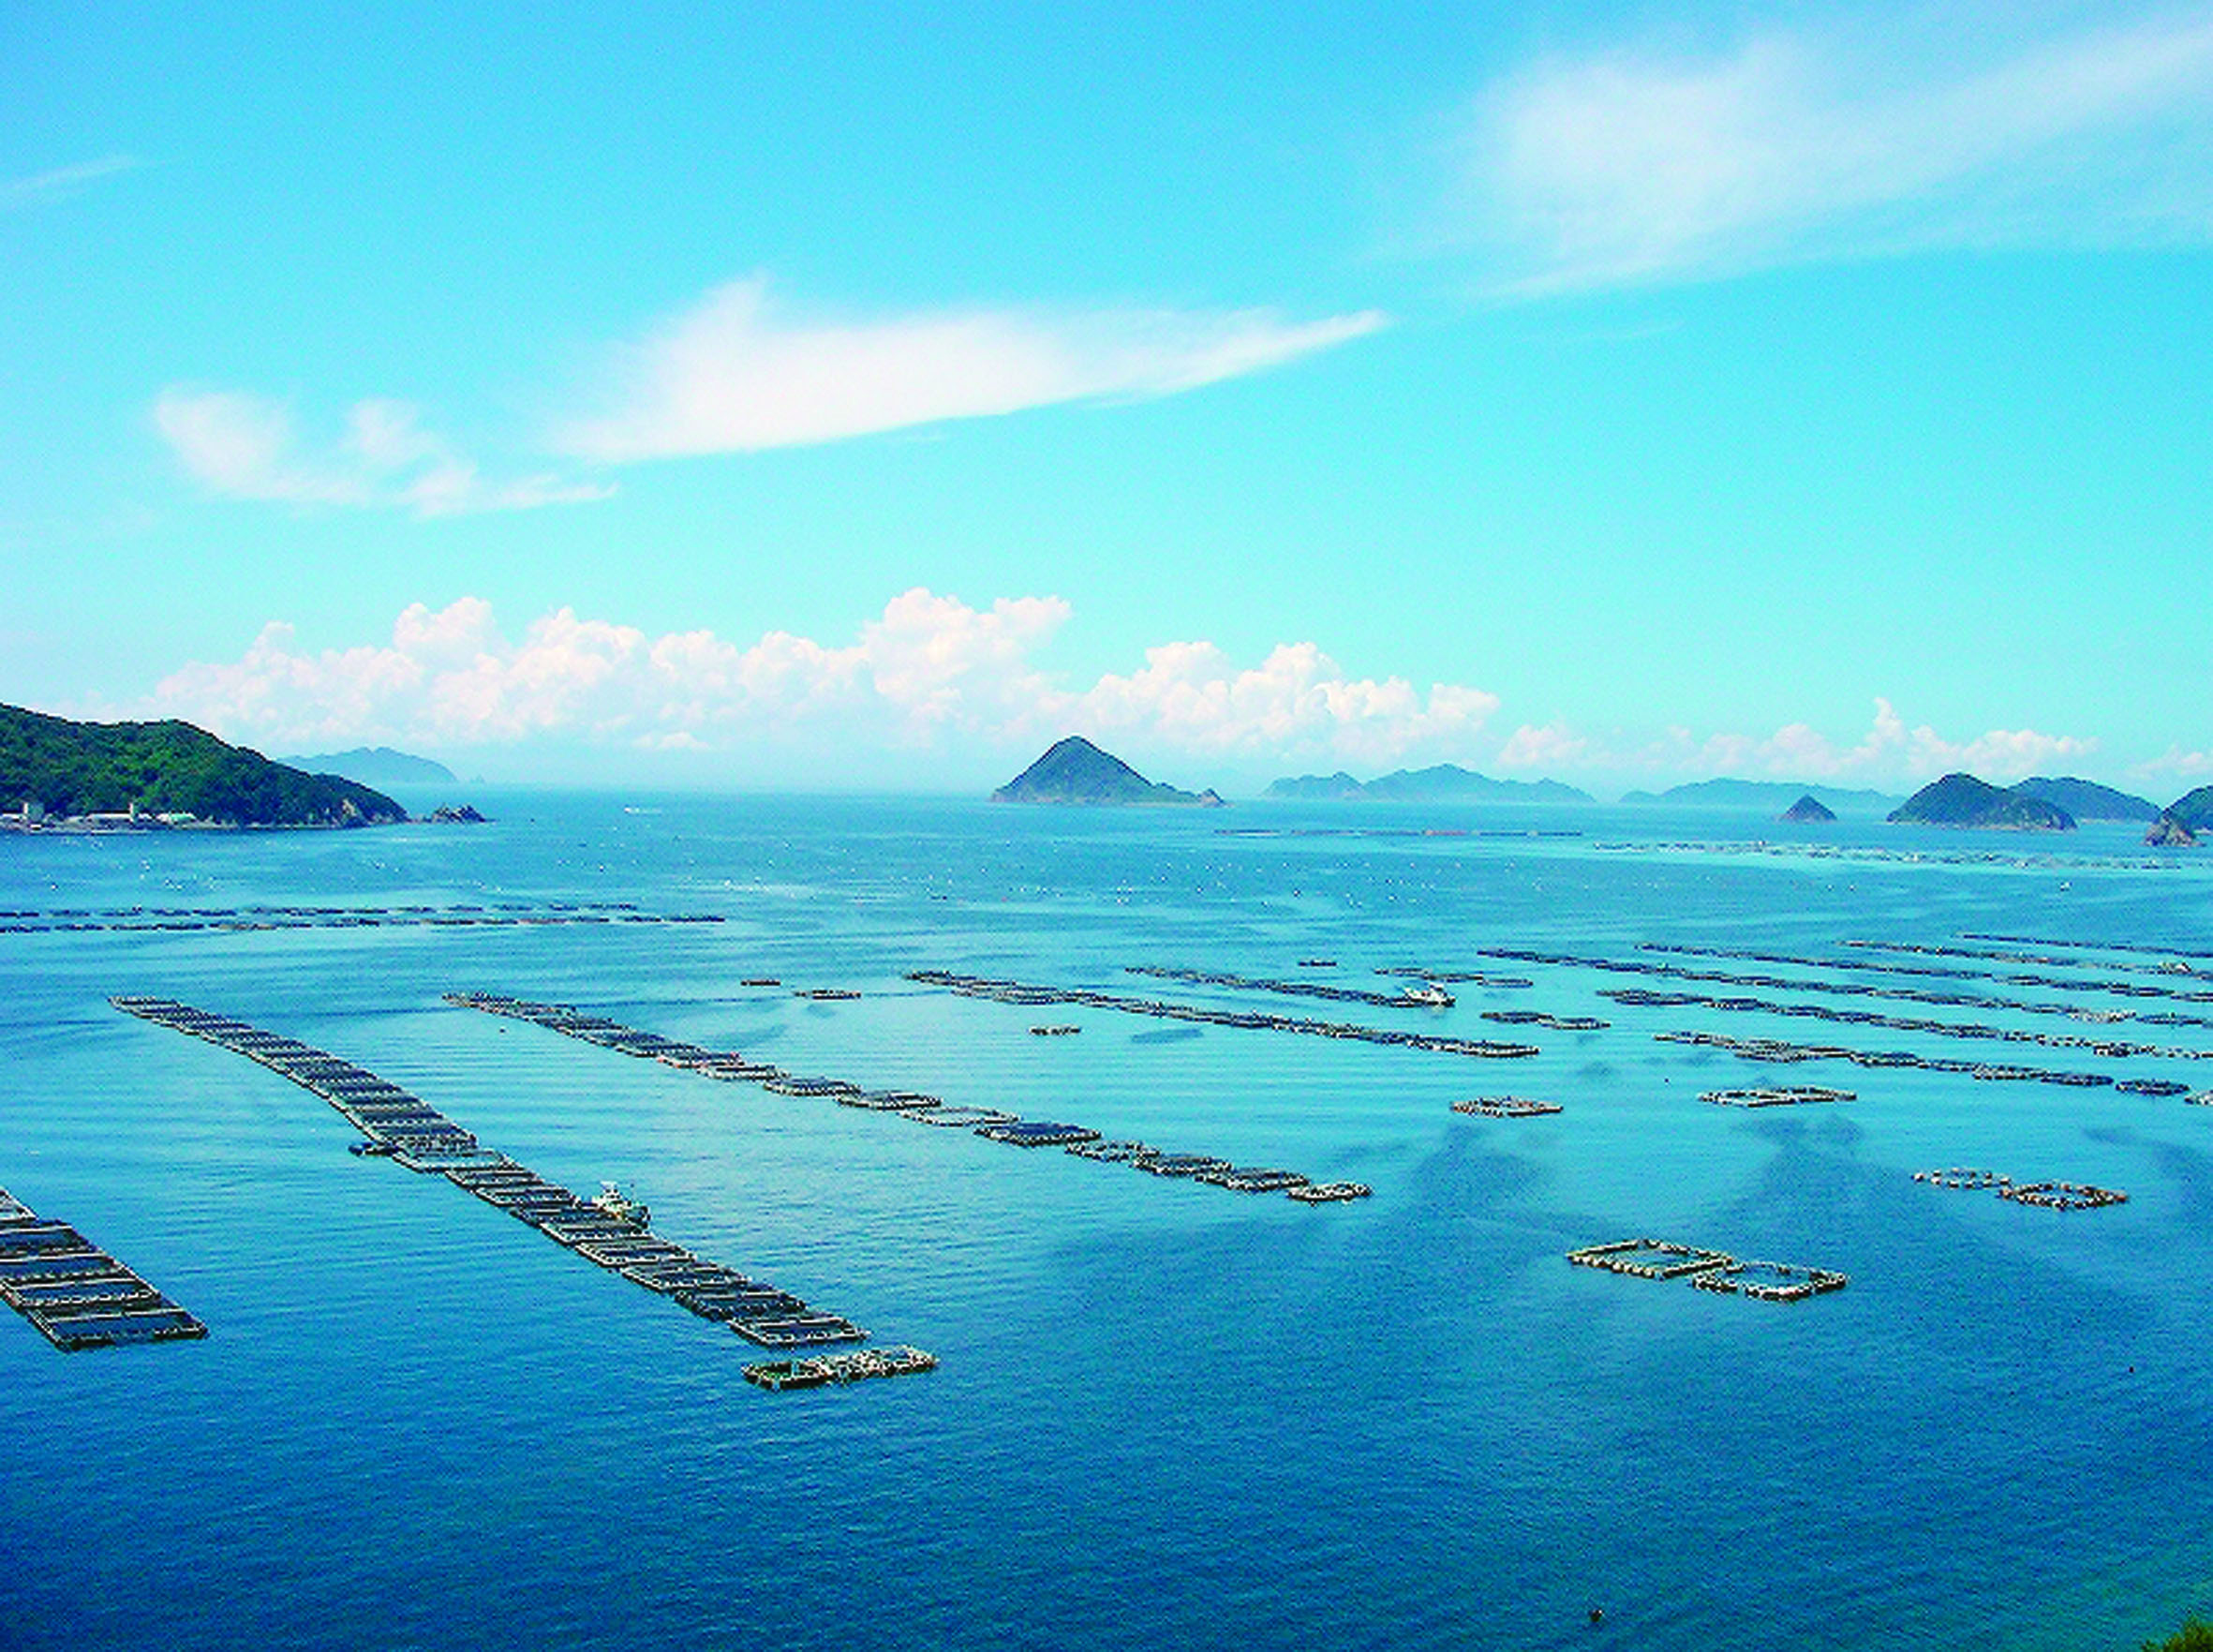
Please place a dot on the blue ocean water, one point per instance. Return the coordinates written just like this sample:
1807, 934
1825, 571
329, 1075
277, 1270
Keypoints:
1167, 1415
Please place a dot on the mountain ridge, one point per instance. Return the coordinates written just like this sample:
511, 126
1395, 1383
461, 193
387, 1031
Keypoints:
1441, 782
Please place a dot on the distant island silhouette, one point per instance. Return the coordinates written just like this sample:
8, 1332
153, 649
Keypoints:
1767, 796
1443, 782
377, 765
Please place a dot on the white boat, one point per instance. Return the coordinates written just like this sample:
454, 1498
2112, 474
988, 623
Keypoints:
619, 1205
1429, 993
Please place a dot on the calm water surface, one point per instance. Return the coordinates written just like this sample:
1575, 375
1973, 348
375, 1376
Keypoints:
1167, 1415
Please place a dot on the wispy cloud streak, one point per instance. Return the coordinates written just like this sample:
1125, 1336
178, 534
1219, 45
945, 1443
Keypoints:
60, 183
737, 373
1628, 168
246, 447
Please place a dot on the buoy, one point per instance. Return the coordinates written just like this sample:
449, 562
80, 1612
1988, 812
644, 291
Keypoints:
1597, 1615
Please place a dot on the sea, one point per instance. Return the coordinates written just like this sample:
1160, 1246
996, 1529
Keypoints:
1165, 1415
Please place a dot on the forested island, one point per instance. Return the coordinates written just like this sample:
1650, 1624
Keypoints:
56, 772
1962, 800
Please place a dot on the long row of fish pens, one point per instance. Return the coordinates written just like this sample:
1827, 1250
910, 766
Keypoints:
1948, 972
1710, 1270
2111, 1049
1782, 1050
1872, 856
1024, 993
1006, 1129
1398, 1000
2172, 953
230, 919
2050, 1195
1848, 988
75, 1293
403, 1127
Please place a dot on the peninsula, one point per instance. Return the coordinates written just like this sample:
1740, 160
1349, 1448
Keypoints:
1076, 771
56, 772
1962, 800
1443, 782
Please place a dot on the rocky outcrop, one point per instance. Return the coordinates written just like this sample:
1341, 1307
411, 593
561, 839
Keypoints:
2192, 809
1076, 771
1808, 811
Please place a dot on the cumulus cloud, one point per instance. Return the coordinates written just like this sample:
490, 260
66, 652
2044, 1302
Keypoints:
735, 373
1795, 147
930, 674
246, 447
934, 685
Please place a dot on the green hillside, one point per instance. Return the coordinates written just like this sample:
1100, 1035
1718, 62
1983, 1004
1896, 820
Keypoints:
1962, 800
69, 768
2194, 809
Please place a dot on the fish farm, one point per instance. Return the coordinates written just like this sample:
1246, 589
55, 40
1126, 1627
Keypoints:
823, 1370
249, 920
77, 1295
1036, 996
2062, 1196
1710, 1270
1777, 1095
991, 1123
608, 1230
1505, 1106
1296, 989
1784, 1051
2113, 1049
2049, 1196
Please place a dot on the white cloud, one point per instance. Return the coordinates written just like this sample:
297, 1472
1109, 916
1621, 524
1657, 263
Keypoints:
930, 674
2176, 762
60, 183
736, 374
1297, 703
246, 447
1551, 748
1628, 168
933, 687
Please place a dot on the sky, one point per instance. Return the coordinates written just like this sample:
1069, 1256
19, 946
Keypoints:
860, 397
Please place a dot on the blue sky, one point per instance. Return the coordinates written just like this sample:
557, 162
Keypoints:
855, 396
